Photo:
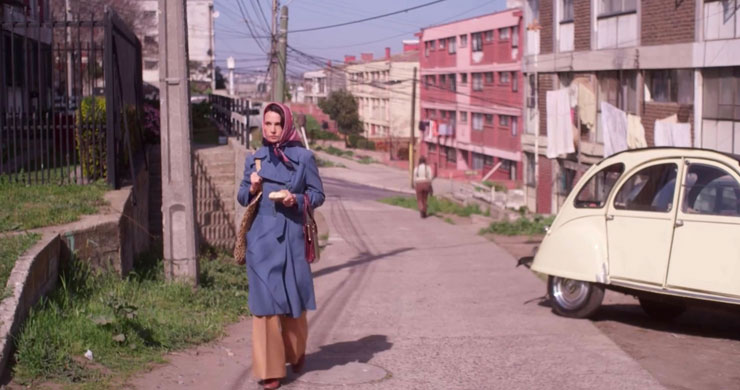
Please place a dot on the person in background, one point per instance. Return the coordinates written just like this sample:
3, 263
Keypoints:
423, 185
280, 281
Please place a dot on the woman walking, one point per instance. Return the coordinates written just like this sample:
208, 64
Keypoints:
423, 185
280, 281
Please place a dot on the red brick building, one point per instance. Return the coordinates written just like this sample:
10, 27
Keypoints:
651, 59
471, 96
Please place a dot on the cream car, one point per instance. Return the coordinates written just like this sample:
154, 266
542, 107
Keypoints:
662, 224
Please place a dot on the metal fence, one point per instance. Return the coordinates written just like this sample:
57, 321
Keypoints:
236, 117
70, 101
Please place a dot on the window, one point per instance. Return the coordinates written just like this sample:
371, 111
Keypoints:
503, 34
515, 36
531, 98
477, 41
721, 94
453, 85
720, 19
464, 40
451, 47
489, 119
451, 155
481, 161
431, 147
514, 129
503, 77
710, 191
614, 7
530, 177
503, 120
618, 88
514, 82
566, 15
650, 189
489, 77
432, 45
426, 48
675, 86
463, 116
566, 178
477, 121
442, 44
598, 187
477, 81
463, 78
442, 81
488, 35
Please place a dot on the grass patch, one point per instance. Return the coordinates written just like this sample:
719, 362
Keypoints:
498, 187
11, 247
29, 207
366, 160
328, 164
522, 226
435, 206
449, 220
339, 152
126, 323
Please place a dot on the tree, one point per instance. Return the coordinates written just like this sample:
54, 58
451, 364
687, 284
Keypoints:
220, 80
341, 106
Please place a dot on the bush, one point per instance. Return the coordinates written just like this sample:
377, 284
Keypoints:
498, 187
435, 206
522, 226
90, 140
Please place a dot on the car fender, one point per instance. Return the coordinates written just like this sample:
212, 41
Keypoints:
575, 249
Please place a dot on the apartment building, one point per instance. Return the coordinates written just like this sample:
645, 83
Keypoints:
471, 96
656, 62
383, 89
200, 14
319, 84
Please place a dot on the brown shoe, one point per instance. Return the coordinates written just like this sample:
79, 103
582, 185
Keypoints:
271, 384
298, 366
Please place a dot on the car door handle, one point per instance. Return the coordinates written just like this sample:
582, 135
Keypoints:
679, 223
609, 217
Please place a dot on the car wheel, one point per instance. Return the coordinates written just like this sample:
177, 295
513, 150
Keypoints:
574, 298
662, 310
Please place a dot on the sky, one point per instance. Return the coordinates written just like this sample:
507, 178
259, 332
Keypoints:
233, 38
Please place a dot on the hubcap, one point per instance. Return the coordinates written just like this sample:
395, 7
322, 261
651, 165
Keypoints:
570, 294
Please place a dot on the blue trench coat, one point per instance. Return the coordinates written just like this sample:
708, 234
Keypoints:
280, 280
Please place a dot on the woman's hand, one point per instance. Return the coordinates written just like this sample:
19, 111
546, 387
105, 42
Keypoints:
289, 201
256, 181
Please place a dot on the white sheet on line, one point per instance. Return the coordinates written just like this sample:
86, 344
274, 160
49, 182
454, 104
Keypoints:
559, 124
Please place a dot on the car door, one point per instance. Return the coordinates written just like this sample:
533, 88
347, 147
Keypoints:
706, 246
640, 221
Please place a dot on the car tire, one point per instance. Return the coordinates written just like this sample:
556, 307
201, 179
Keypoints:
662, 310
574, 298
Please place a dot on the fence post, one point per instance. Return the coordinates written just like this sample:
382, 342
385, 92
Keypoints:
110, 96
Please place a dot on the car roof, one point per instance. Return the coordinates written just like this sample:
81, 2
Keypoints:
635, 155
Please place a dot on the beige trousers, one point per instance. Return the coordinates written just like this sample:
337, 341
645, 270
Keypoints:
277, 340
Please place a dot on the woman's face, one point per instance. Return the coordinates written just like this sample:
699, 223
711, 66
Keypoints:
273, 128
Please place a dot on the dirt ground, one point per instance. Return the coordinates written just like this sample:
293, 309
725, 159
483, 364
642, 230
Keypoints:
698, 350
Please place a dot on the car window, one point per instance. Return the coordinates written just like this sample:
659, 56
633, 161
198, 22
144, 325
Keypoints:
710, 191
598, 187
650, 189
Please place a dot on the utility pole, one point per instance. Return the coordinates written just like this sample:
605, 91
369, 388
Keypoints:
278, 92
413, 134
273, 45
70, 62
212, 28
178, 211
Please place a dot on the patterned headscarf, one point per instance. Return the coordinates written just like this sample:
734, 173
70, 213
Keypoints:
289, 136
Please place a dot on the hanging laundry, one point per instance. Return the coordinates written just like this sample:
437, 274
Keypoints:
668, 132
635, 132
444, 130
614, 127
433, 128
586, 107
559, 125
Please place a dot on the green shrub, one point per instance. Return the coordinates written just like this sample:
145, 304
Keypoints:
90, 140
522, 226
435, 206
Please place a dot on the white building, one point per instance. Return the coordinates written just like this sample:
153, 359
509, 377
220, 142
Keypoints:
200, 41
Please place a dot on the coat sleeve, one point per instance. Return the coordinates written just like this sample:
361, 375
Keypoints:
243, 196
314, 187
